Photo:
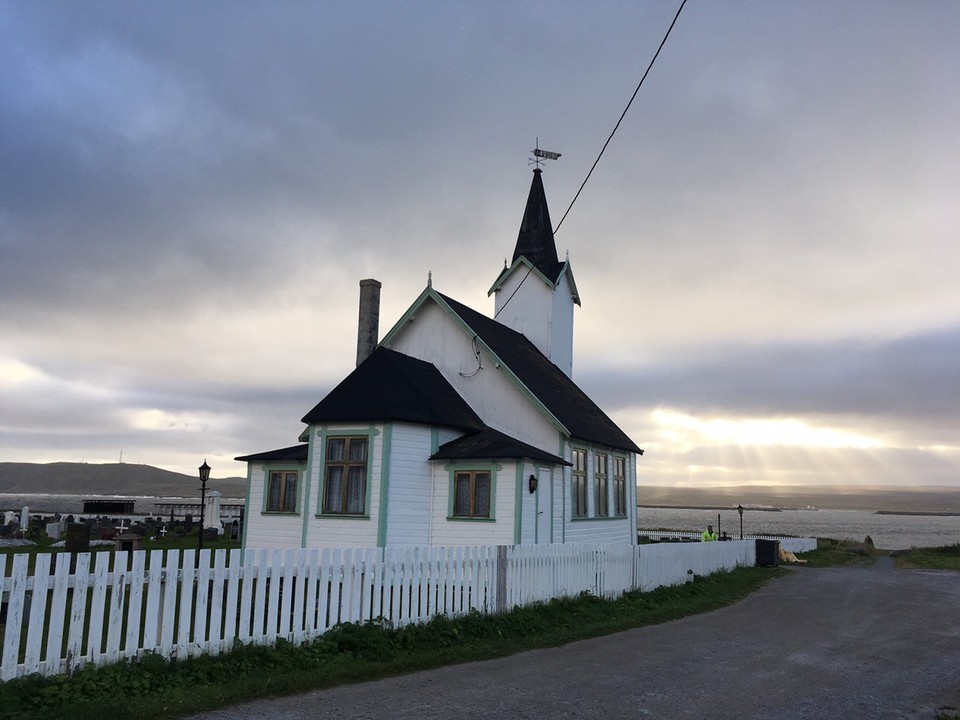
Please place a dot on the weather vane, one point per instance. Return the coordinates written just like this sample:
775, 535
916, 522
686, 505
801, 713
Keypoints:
540, 155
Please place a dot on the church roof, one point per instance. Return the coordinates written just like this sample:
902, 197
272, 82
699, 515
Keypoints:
562, 398
493, 444
535, 240
295, 453
391, 387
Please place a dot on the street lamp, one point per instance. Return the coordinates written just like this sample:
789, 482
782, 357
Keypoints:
740, 510
204, 476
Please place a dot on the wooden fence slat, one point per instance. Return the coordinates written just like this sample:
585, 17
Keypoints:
299, 631
230, 605
131, 643
16, 588
201, 620
78, 610
38, 609
52, 661
152, 616
286, 594
323, 602
188, 592
117, 591
215, 605
275, 570
170, 592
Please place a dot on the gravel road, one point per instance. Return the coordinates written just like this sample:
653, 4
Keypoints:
840, 644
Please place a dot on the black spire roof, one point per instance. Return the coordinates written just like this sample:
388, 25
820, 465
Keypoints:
535, 241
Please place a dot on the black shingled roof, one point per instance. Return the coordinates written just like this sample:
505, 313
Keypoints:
295, 453
535, 241
548, 383
492, 444
389, 386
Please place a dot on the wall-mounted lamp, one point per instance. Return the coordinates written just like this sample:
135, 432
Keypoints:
532, 484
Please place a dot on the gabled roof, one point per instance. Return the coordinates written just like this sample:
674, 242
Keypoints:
565, 270
582, 418
296, 453
493, 444
557, 395
535, 241
389, 386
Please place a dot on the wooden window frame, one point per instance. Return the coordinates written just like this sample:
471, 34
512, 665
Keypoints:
282, 506
620, 485
346, 464
601, 466
471, 476
578, 483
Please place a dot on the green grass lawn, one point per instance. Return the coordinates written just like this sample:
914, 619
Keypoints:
939, 558
155, 688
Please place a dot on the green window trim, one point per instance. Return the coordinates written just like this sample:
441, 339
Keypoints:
473, 469
282, 470
326, 433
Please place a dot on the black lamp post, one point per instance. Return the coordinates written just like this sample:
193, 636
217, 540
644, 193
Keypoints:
204, 476
740, 510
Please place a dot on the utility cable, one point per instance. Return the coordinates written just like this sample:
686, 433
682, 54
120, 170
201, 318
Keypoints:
615, 127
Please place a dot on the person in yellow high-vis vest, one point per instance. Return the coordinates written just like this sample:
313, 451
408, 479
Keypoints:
708, 535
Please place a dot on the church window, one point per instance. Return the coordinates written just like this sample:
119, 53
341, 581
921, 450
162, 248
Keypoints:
620, 486
282, 491
345, 476
471, 494
600, 483
579, 490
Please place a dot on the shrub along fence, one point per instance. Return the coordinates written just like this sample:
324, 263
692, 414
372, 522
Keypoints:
104, 607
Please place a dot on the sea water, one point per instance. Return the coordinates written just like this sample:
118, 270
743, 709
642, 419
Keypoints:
889, 532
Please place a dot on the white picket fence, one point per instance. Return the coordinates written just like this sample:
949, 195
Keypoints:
112, 607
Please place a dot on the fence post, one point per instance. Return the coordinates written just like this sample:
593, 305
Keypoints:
501, 579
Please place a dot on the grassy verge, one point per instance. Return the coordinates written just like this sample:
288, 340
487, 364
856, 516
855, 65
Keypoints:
939, 558
155, 688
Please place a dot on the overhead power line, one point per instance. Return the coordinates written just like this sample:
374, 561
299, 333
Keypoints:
623, 114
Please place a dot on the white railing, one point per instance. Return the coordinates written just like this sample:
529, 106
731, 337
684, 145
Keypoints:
111, 607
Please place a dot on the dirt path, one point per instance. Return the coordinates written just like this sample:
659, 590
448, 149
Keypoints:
846, 643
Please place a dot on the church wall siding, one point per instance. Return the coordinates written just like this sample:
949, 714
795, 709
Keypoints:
410, 483
344, 530
269, 530
434, 337
498, 531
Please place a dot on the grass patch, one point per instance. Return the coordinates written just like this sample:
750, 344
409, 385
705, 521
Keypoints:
946, 557
837, 553
155, 688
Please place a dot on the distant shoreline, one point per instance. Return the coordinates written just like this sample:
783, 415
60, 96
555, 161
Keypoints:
931, 513
713, 507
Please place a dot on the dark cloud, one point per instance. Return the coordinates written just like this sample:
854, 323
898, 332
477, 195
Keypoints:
912, 378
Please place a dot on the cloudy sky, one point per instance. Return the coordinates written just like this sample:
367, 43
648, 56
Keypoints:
767, 253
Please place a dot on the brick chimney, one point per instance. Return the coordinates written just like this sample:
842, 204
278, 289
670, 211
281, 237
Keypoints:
368, 327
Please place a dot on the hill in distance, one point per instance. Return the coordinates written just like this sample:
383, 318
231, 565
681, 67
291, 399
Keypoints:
68, 478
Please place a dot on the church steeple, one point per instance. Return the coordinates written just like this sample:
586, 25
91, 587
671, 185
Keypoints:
536, 294
535, 241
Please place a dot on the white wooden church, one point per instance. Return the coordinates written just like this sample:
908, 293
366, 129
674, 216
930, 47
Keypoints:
456, 428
